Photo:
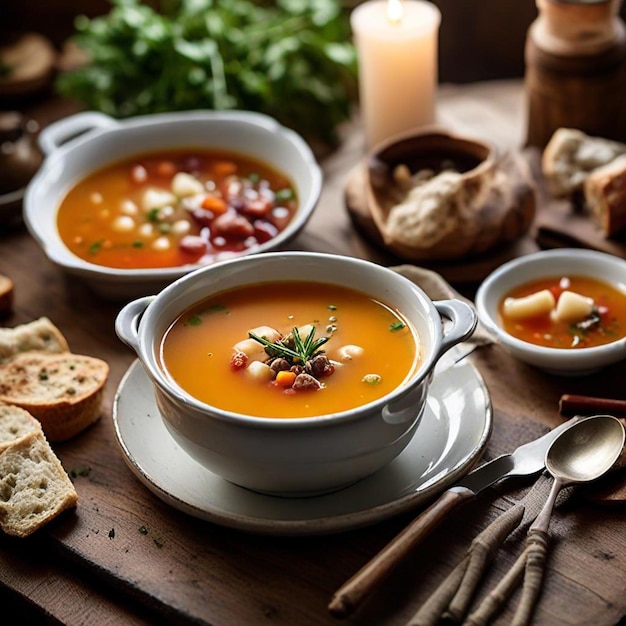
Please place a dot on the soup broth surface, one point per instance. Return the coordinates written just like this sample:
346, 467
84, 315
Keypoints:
605, 324
196, 350
174, 208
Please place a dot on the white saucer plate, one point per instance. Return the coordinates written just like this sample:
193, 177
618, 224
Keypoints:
450, 439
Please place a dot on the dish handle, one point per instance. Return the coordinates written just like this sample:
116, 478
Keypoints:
52, 137
464, 321
128, 319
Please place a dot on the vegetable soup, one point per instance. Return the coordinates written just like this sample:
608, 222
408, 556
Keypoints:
175, 208
565, 312
290, 349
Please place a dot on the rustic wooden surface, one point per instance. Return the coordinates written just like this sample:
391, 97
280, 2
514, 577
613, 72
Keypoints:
95, 566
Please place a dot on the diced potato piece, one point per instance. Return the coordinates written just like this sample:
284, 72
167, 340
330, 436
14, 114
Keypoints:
269, 333
128, 207
146, 230
260, 372
161, 243
166, 212
349, 352
184, 184
305, 330
537, 304
253, 349
156, 199
123, 224
181, 227
572, 307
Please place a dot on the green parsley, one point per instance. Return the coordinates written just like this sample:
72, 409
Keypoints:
372, 379
396, 326
194, 320
290, 59
96, 246
153, 215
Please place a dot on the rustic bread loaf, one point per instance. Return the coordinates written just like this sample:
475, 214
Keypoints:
571, 155
15, 423
34, 487
605, 195
63, 391
40, 334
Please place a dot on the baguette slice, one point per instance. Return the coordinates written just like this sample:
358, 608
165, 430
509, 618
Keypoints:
15, 423
34, 487
605, 195
63, 391
40, 334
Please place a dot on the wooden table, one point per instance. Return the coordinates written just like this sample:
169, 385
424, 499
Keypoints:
126, 557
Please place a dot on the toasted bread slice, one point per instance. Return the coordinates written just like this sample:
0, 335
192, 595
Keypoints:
34, 487
15, 423
40, 335
63, 391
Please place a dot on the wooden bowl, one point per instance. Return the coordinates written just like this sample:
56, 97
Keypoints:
474, 199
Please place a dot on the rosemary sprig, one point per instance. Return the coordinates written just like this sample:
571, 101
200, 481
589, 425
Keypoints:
303, 350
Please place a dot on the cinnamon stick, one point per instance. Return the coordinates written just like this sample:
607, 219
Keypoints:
571, 404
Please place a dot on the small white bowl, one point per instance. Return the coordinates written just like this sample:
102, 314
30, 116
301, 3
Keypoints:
78, 145
299, 456
575, 262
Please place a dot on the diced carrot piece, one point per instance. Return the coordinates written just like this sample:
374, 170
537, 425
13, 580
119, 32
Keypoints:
224, 168
216, 205
167, 169
285, 378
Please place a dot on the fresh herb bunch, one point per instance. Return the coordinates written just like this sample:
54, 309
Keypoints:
302, 350
290, 59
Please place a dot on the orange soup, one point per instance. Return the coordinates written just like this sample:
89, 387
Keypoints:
366, 347
175, 208
565, 312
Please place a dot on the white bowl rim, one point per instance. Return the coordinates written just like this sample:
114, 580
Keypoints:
61, 255
575, 254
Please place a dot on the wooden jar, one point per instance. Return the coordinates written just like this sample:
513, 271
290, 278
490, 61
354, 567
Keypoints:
576, 70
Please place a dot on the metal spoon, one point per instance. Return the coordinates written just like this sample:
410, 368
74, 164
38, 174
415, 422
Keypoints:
580, 454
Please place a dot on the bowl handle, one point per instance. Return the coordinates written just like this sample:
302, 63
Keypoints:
127, 321
464, 321
52, 137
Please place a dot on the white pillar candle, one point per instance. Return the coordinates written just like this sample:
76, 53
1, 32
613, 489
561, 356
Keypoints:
397, 65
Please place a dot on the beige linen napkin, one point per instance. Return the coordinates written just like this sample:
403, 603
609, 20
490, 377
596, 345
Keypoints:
437, 288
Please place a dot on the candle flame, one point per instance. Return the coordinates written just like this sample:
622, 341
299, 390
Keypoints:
395, 11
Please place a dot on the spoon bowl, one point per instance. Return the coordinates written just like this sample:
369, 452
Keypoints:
587, 450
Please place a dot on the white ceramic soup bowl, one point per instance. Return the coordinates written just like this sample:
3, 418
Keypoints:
573, 262
78, 145
302, 455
